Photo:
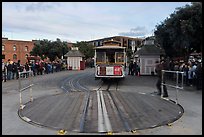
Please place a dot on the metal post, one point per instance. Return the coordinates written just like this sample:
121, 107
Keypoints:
182, 78
31, 97
177, 81
19, 82
162, 81
177, 86
21, 90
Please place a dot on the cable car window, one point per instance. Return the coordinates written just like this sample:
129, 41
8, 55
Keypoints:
100, 57
119, 57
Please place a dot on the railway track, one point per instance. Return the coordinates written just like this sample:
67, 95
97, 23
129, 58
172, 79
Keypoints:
105, 101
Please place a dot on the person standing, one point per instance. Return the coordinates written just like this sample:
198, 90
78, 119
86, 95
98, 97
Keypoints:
130, 72
33, 68
15, 70
135, 68
27, 68
3, 71
190, 74
41, 67
198, 73
138, 70
159, 67
9, 70
185, 70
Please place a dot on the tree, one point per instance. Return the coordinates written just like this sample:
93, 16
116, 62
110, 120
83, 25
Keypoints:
50, 49
85, 48
181, 33
129, 54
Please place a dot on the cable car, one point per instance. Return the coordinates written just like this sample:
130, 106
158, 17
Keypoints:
110, 60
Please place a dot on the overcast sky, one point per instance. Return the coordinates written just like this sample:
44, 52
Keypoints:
82, 21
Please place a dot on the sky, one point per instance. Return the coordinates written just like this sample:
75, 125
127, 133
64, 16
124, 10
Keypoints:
83, 21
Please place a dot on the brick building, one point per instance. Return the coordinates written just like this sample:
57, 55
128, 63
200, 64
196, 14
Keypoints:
16, 50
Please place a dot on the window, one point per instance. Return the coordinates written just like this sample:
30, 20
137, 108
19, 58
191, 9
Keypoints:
139, 42
101, 43
3, 56
119, 57
14, 56
26, 48
100, 56
14, 47
26, 56
133, 43
3, 47
129, 42
110, 56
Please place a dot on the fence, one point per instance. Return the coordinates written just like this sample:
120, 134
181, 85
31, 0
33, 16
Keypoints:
177, 81
21, 75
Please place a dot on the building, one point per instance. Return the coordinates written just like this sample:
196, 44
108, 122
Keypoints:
75, 59
147, 55
16, 50
128, 42
19, 50
148, 41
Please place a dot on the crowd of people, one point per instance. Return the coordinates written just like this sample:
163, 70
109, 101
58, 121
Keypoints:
134, 69
10, 69
192, 69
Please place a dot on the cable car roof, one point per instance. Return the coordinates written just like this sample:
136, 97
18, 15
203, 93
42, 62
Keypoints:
110, 47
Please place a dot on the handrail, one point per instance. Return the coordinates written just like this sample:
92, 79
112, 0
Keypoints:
177, 81
22, 89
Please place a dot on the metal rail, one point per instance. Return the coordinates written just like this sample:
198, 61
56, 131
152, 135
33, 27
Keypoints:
121, 114
177, 81
23, 89
77, 86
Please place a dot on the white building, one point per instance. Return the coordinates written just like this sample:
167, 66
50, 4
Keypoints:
146, 57
74, 57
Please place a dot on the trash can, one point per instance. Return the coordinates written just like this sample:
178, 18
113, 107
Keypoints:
82, 65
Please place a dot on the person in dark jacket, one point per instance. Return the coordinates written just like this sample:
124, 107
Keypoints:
130, 72
19, 68
9, 70
135, 68
198, 73
27, 68
15, 70
159, 67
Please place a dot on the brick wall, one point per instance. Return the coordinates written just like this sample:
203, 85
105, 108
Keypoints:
23, 48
